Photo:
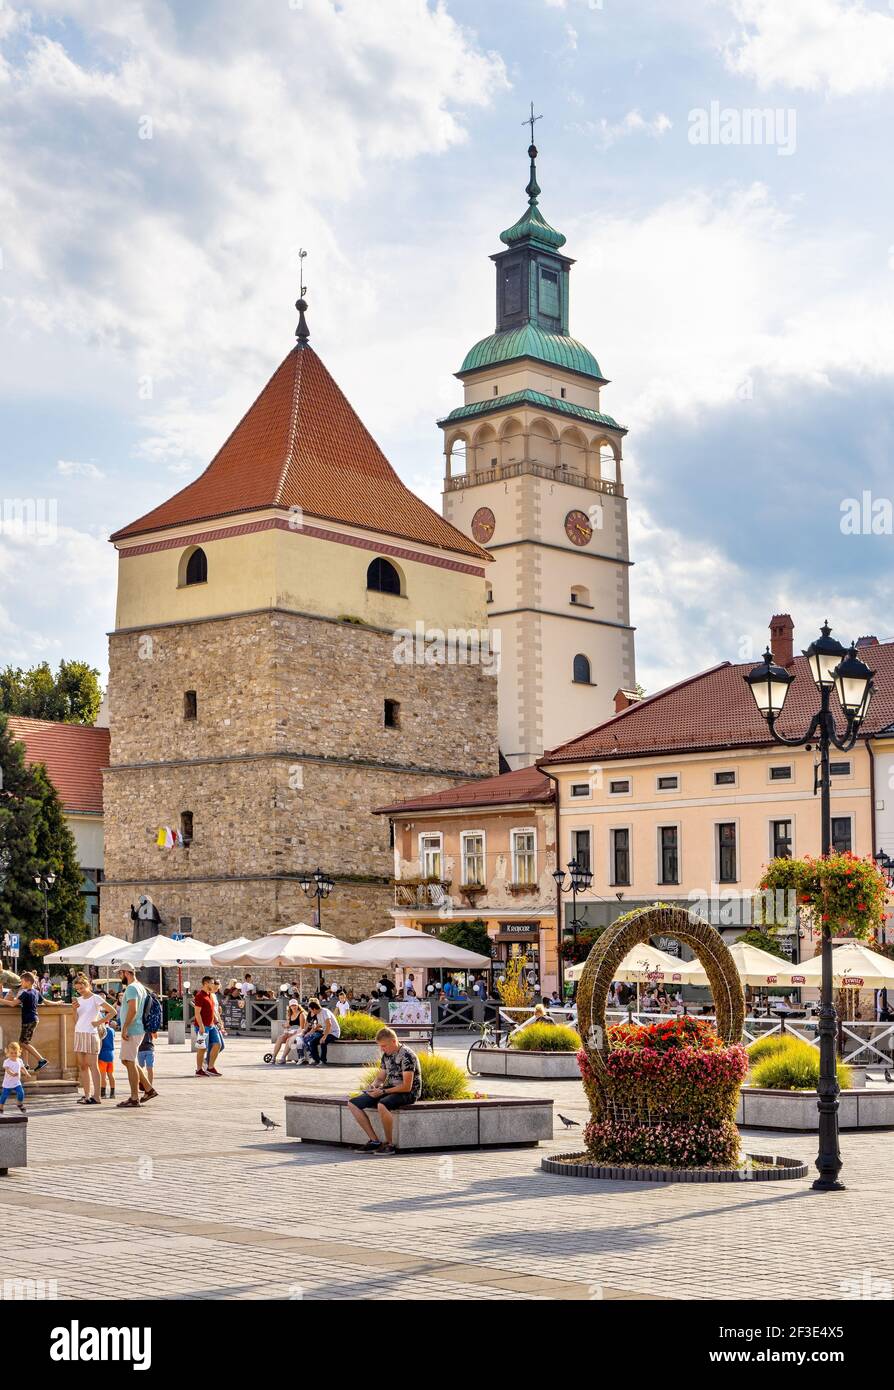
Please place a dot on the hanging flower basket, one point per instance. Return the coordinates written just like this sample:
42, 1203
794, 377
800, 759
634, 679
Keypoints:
840, 892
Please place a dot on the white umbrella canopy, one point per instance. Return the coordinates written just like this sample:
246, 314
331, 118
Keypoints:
853, 965
299, 945
757, 967
86, 952
159, 951
645, 962
402, 946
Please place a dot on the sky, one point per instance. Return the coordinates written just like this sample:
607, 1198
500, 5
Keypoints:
720, 168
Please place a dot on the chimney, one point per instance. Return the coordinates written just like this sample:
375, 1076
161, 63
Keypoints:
625, 698
866, 642
782, 637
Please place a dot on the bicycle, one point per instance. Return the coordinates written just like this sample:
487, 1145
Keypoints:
489, 1039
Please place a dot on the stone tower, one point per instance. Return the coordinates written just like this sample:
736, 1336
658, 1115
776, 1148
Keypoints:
533, 471
257, 708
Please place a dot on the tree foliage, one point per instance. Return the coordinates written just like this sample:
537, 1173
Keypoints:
35, 839
470, 936
70, 696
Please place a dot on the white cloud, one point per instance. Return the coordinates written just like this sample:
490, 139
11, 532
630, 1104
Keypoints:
634, 123
837, 46
43, 570
70, 468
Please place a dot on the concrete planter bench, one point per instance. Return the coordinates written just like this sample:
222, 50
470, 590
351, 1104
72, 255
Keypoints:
13, 1142
352, 1052
512, 1061
429, 1124
760, 1108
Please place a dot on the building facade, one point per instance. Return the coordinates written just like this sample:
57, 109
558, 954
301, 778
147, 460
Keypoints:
684, 798
484, 851
534, 472
258, 708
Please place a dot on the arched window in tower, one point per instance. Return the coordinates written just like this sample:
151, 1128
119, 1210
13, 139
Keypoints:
195, 570
383, 577
580, 594
581, 674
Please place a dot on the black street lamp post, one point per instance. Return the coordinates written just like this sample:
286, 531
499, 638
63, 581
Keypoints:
317, 885
831, 667
580, 878
45, 882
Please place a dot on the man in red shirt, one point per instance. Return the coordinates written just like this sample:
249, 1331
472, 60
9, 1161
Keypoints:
207, 1030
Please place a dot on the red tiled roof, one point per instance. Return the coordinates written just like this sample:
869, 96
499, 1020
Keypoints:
509, 789
715, 709
74, 756
302, 445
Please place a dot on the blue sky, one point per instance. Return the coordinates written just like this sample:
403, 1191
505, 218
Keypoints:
163, 163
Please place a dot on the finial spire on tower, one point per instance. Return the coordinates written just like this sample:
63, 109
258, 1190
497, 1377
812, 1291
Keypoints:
533, 188
302, 332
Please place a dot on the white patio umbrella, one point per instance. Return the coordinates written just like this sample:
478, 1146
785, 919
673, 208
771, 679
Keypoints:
159, 951
854, 966
85, 952
645, 962
757, 967
401, 946
299, 946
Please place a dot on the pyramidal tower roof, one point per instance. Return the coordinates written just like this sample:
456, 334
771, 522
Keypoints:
301, 444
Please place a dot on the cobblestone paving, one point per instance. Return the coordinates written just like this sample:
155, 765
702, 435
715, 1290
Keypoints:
194, 1188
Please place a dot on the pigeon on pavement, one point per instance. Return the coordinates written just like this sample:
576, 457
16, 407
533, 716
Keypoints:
268, 1123
569, 1124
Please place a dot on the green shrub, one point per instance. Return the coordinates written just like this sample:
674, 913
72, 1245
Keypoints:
356, 1025
546, 1037
795, 1068
442, 1079
770, 1046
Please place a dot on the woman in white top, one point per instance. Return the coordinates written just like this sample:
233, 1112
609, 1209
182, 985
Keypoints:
90, 1011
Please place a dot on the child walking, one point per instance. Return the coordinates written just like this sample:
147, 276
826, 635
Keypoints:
13, 1071
106, 1060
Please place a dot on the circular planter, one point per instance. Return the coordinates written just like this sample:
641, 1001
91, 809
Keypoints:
512, 1061
579, 1166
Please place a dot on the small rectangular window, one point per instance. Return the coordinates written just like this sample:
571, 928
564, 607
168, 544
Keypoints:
549, 293
670, 783
392, 714
524, 857
430, 855
726, 853
190, 705
580, 789
840, 769
726, 778
621, 857
841, 834
781, 774
473, 856
619, 788
184, 926
781, 839
186, 827
391, 834
563, 392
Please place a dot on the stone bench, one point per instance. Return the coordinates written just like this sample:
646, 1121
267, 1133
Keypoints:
13, 1142
762, 1108
512, 1061
429, 1124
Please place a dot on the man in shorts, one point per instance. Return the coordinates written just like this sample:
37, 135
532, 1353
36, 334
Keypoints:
130, 1016
207, 1028
397, 1083
27, 1000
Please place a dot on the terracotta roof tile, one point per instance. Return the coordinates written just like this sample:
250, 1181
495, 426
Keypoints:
301, 444
74, 756
525, 784
715, 709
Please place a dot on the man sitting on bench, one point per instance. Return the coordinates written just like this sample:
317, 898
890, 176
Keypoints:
322, 1028
397, 1083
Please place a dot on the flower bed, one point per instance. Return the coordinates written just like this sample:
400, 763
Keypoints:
669, 1096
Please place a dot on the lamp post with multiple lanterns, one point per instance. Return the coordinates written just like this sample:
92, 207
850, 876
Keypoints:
832, 668
45, 882
317, 885
579, 880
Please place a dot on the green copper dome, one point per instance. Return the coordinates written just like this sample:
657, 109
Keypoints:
532, 226
532, 341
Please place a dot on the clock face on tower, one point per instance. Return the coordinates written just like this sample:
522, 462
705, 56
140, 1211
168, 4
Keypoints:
578, 528
484, 524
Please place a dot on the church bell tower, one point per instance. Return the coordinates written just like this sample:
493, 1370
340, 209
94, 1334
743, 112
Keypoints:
534, 474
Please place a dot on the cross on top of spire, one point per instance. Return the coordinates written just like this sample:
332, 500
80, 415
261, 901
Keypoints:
533, 188
302, 333
529, 120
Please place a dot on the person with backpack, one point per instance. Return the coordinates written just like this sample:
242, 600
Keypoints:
136, 1016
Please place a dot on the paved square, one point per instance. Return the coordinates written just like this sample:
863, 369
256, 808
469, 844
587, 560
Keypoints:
195, 1188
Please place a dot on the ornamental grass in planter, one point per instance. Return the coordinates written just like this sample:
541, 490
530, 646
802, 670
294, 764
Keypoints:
669, 1099
546, 1037
791, 1066
442, 1079
358, 1027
